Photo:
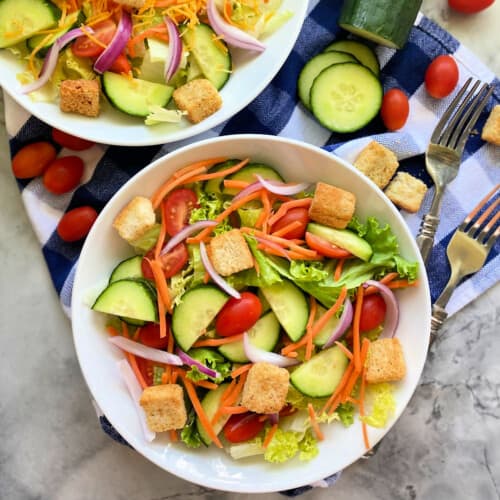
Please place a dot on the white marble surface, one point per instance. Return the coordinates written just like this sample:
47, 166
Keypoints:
444, 446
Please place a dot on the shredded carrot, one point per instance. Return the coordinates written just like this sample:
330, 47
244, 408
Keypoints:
112, 331
235, 393
232, 184
163, 230
125, 329
314, 422
163, 292
173, 435
159, 31
265, 212
135, 368
270, 435
338, 269
362, 409
355, 329
273, 250
94, 39
242, 369
385, 281
221, 173
287, 205
288, 228
218, 341
293, 354
206, 277
309, 338
233, 410
401, 284
344, 349
333, 400
206, 384
174, 376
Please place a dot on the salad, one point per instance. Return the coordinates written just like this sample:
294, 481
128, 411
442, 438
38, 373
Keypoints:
147, 57
253, 311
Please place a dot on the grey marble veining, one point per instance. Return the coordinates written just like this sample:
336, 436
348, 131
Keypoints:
446, 444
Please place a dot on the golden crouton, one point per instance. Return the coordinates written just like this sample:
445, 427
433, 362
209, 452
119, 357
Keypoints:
135, 219
491, 129
135, 4
199, 98
406, 191
164, 407
385, 361
265, 388
229, 253
332, 206
79, 96
378, 163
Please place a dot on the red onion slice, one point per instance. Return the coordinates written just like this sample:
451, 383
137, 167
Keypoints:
145, 352
50, 61
185, 233
117, 44
282, 188
135, 392
251, 188
392, 311
274, 418
342, 325
188, 360
214, 275
174, 49
231, 34
258, 355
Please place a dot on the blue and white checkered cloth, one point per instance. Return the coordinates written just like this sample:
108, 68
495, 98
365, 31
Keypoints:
277, 111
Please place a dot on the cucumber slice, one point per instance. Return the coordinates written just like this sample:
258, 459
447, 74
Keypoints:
210, 404
192, 316
128, 298
21, 19
210, 53
325, 333
320, 376
290, 306
247, 174
364, 54
264, 334
134, 96
214, 185
128, 268
314, 67
345, 97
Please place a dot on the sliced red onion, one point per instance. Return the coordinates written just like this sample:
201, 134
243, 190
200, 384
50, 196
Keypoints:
143, 351
251, 188
342, 325
214, 275
231, 34
188, 360
274, 418
185, 233
117, 44
258, 355
392, 307
282, 188
271, 244
50, 61
174, 49
135, 391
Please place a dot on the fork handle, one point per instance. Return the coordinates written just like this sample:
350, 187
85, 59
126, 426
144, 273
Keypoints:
439, 316
425, 237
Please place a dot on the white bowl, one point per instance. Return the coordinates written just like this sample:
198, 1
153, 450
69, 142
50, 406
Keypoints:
252, 72
212, 467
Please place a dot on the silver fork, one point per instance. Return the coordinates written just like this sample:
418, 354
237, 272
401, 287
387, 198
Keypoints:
467, 250
445, 149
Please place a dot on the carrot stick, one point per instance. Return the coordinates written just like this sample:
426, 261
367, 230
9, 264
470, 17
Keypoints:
286, 229
242, 369
232, 184
235, 393
218, 341
112, 331
270, 435
221, 173
163, 231
310, 320
344, 349
233, 410
125, 329
314, 422
135, 368
355, 329
206, 384
338, 390
362, 409
173, 435
385, 281
401, 284
163, 292
338, 269
279, 251
287, 205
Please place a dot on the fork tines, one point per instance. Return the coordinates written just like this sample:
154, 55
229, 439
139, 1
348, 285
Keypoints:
486, 209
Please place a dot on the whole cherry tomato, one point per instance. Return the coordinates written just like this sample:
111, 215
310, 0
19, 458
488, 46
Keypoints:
441, 76
300, 216
238, 315
33, 159
70, 141
75, 224
240, 428
470, 6
395, 109
63, 174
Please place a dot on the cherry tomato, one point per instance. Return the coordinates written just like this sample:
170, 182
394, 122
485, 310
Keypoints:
372, 312
297, 214
469, 6
172, 262
70, 141
33, 159
325, 247
238, 315
149, 335
178, 206
85, 47
63, 174
441, 76
121, 65
146, 367
75, 224
240, 428
395, 109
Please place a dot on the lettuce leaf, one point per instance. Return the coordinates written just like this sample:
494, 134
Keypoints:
147, 240
283, 446
212, 359
189, 434
246, 449
383, 404
210, 205
345, 412
308, 270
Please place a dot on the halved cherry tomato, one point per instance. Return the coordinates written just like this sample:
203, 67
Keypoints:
103, 31
33, 159
298, 214
76, 224
395, 109
372, 312
240, 428
70, 141
146, 367
325, 247
63, 174
121, 65
441, 76
172, 262
149, 335
469, 6
178, 206
238, 315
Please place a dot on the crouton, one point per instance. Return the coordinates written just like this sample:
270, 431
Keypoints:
385, 361
135, 219
198, 98
491, 129
265, 388
135, 4
229, 253
332, 206
406, 192
164, 407
378, 163
79, 96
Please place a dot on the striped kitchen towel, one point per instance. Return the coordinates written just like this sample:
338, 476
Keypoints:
277, 111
